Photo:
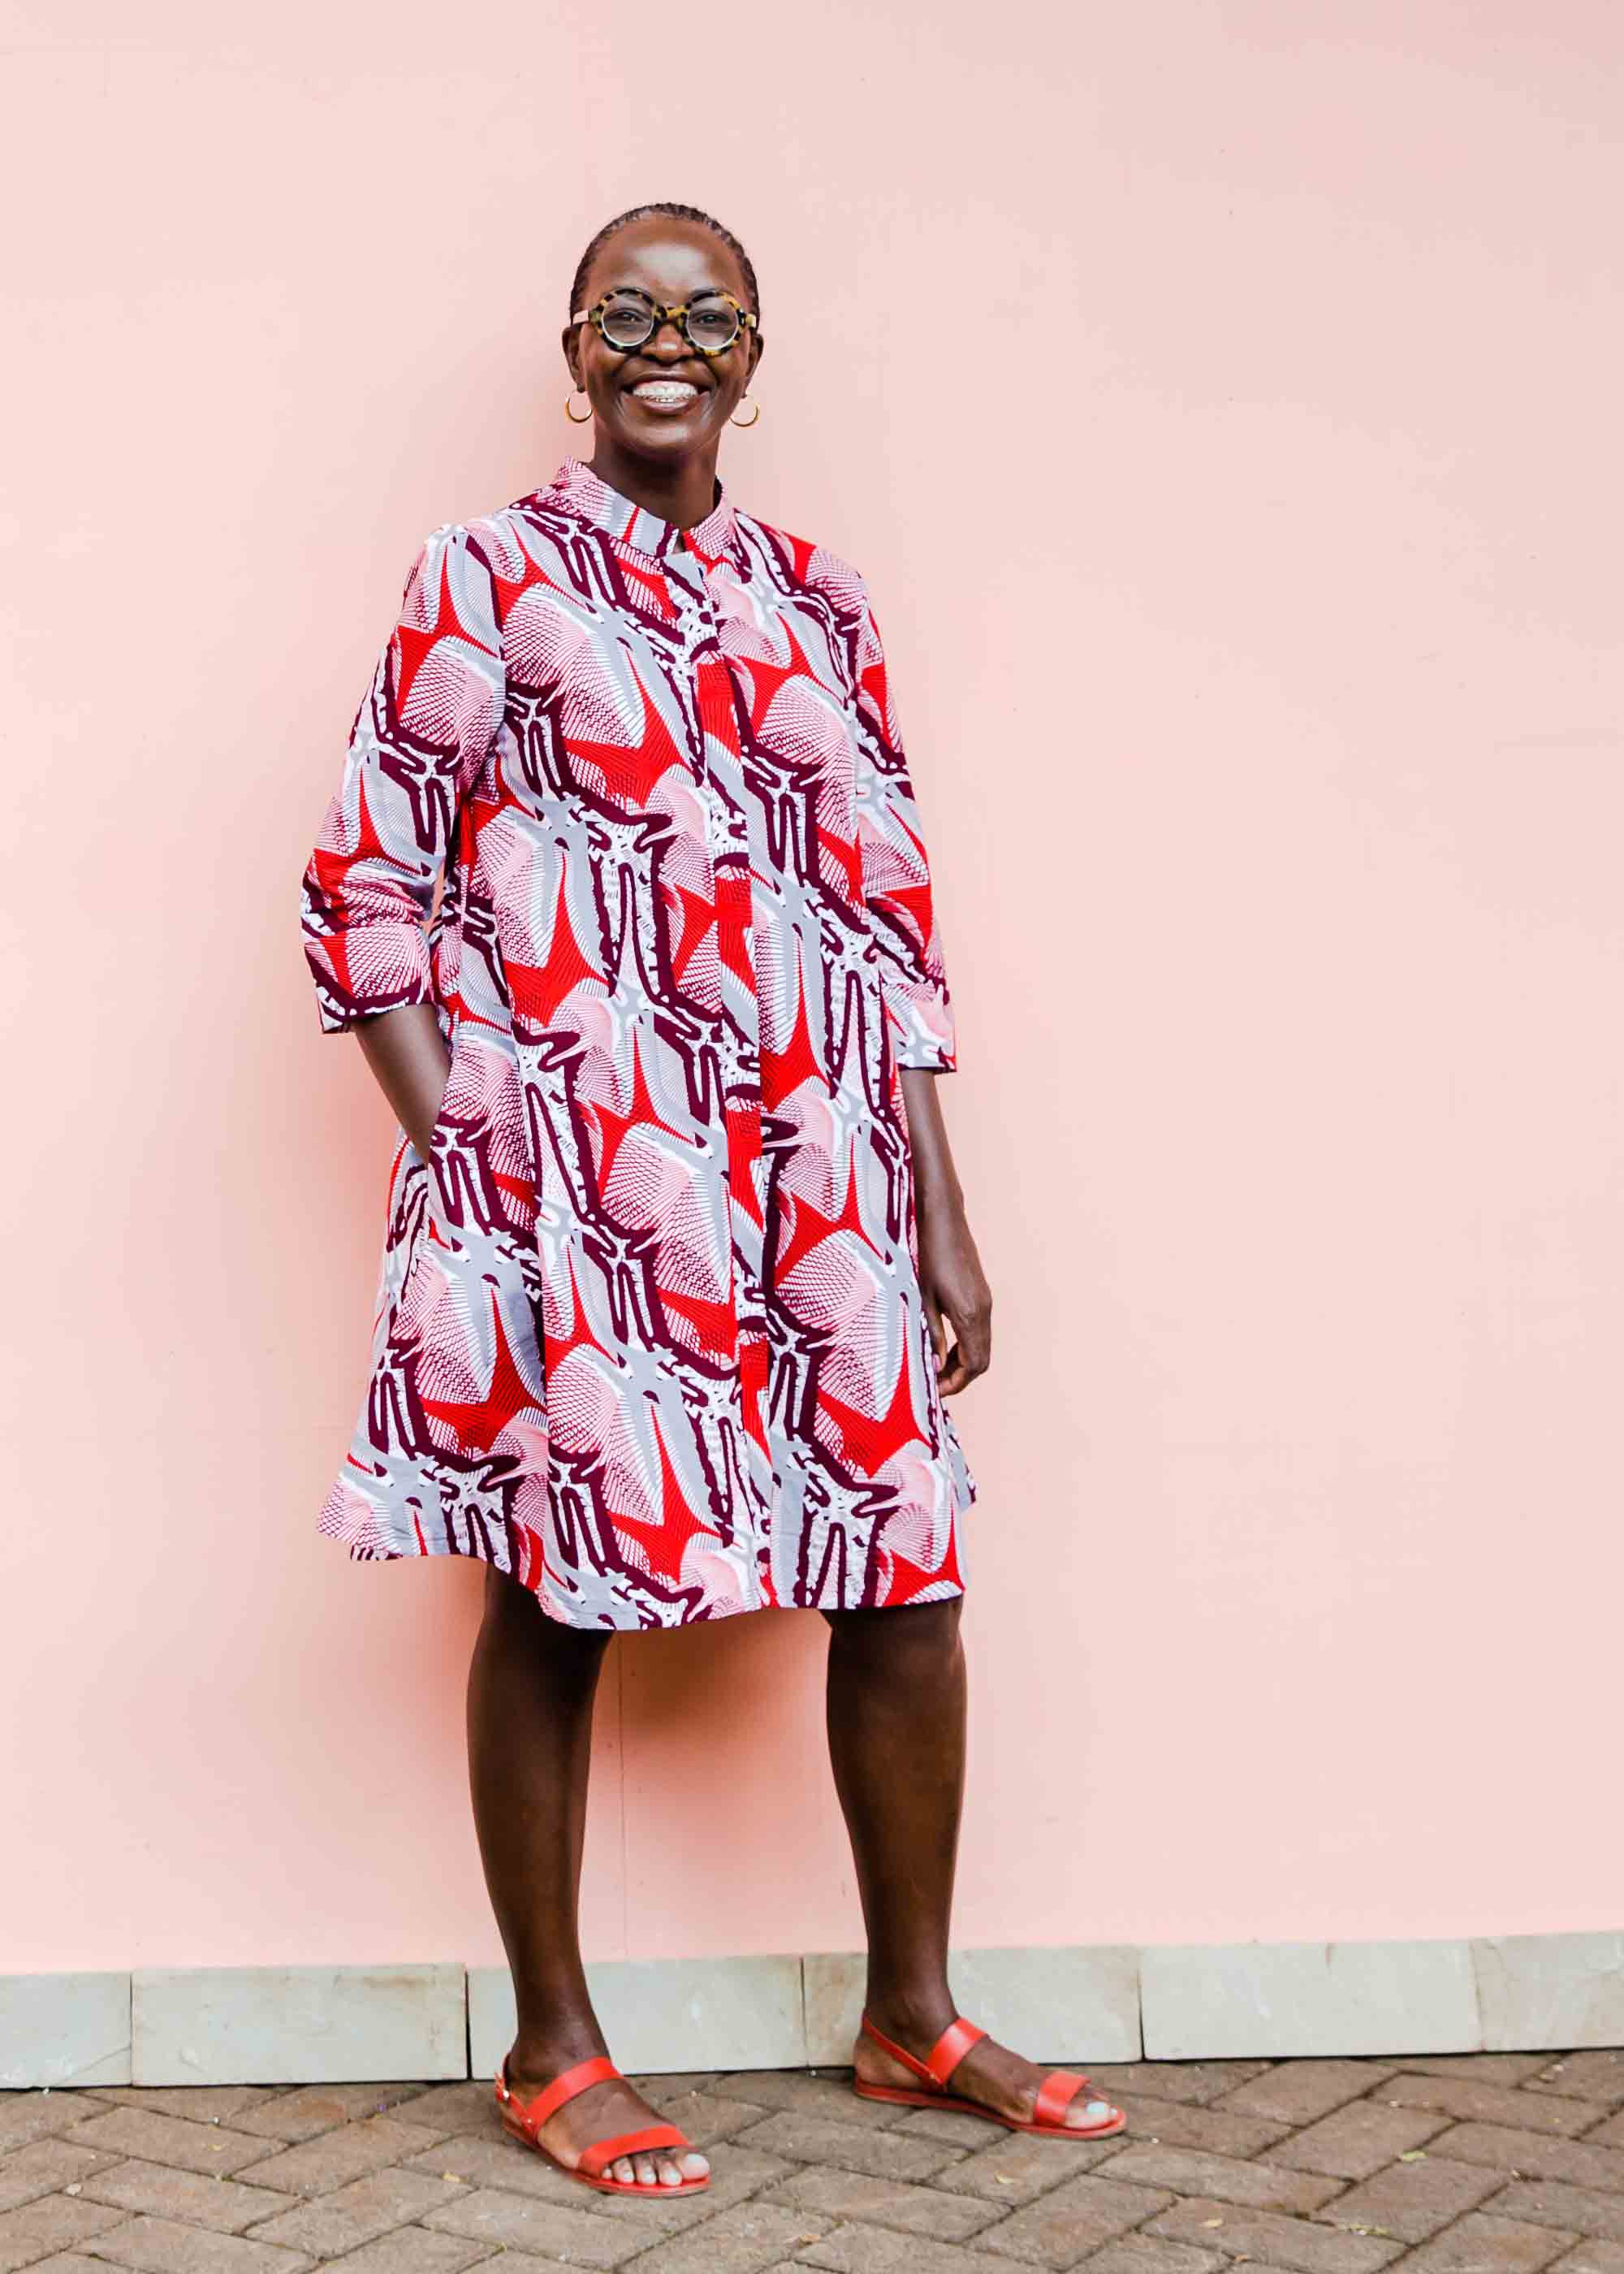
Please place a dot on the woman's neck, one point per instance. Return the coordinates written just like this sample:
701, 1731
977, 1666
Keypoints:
683, 492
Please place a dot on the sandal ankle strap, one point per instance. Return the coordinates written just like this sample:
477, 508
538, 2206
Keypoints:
551, 2098
944, 2057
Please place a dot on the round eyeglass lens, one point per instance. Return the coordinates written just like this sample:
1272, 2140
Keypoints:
627, 322
713, 324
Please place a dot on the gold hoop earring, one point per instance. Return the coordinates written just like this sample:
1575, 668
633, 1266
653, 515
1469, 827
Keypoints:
746, 423
585, 419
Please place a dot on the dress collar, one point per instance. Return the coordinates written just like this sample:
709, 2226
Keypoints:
586, 494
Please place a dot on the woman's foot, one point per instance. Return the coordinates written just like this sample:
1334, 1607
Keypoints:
599, 2114
989, 2073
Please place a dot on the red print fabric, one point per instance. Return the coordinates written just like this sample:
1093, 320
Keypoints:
649, 1333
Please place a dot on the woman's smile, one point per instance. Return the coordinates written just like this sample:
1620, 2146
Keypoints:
665, 395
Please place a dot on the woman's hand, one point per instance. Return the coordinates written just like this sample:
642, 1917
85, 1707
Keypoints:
405, 1052
950, 1278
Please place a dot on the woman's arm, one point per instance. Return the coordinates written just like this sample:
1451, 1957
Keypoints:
410, 1063
950, 1278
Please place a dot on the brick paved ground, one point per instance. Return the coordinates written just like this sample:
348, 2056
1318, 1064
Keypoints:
1490, 2164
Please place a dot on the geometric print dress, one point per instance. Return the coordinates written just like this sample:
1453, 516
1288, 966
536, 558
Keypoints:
628, 804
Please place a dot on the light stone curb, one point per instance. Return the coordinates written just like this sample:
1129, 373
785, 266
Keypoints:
347, 2024
1231, 2001
1539, 1992
64, 2029
312, 2024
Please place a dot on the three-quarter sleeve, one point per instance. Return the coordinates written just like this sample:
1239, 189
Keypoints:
895, 871
418, 741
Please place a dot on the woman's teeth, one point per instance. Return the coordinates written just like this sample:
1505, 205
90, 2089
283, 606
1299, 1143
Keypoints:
665, 393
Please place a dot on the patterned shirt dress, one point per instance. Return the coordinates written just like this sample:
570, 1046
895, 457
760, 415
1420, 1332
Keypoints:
648, 1334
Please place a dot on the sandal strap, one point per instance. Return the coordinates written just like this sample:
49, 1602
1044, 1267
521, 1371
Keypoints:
592, 2160
534, 2113
1056, 2094
944, 2057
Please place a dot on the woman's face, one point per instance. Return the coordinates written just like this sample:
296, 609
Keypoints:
673, 261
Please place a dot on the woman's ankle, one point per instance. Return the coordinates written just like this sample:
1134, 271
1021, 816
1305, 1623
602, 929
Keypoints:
913, 2016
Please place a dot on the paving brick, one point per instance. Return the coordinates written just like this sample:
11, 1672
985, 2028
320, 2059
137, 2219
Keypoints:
1016, 2168
501, 2162
71, 2262
1301, 2244
316, 2108
958, 2131
1548, 2203
165, 2246
1470, 2102
1483, 2243
1072, 2219
707, 2117
800, 2093
1536, 2155
43, 2168
358, 2213
1353, 2141
1414, 2199
858, 2249
49, 2223
443, 2108
25, 2116
816, 2140
1169, 2080
202, 2104
1487, 2068
1146, 2254
1300, 2091
501, 2221
745, 2240
414, 2250
209, 2148
1596, 2074
652, 2084
1609, 2133
878, 2249
334, 2158
1220, 2131
226, 2205
737, 2174
1591, 2257
1190, 2171
881, 2202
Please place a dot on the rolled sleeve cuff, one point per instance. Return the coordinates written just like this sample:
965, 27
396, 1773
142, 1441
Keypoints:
922, 1027
373, 967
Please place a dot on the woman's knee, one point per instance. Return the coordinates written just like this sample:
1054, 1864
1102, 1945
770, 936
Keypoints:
926, 1634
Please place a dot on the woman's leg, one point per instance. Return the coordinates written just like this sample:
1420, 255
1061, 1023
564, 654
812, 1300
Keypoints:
896, 1713
530, 1685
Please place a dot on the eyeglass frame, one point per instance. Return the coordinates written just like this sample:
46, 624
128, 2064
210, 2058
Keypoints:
678, 314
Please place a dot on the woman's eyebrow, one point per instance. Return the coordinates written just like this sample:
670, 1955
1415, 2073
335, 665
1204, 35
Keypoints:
698, 291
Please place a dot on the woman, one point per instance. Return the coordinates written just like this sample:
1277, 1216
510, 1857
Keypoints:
674, 1236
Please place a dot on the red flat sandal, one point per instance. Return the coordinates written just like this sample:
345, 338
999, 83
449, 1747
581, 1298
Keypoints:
1056, 2094
525, 2118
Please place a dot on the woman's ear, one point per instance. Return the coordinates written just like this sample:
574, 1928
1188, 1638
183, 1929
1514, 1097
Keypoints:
571, 339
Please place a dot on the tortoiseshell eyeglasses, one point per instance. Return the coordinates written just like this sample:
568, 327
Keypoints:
626, 319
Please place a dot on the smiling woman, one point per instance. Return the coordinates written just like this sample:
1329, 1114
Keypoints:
678, 1274
664, 340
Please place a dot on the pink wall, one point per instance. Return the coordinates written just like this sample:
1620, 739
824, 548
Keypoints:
1222, 404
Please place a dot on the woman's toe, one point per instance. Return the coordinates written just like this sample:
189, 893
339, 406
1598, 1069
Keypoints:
694, 2166
1090, 2113
647, 2176
621, 2170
